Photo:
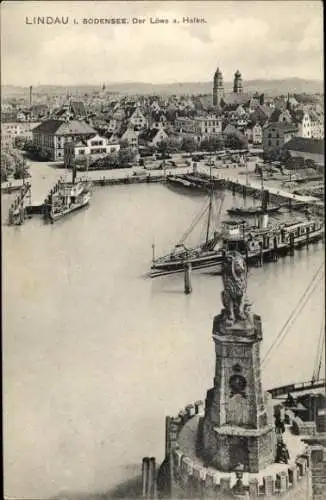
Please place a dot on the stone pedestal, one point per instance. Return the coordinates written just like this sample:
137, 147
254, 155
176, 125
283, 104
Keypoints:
237, 427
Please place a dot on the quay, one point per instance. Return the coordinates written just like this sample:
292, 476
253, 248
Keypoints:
203, 174
275, 195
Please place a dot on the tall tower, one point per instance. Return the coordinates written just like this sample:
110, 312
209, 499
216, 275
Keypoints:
30, 95
237, 426
231, 447
218, 87
237, 83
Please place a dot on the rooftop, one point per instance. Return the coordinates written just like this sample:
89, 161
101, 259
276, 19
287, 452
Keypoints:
59, 127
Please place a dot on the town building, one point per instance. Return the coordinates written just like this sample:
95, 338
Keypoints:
138, 120
130, 135
71, 110
280, 115
51, 135
202, 126
84, 148
95, 145
275, 135
257, 134
302, 119
317, 125
11, 130
153, 137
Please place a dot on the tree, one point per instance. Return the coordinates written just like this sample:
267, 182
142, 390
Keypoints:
236, 141
189, 145
162, 147
173, 144
214, 143
126, 156
20, 141
7, 165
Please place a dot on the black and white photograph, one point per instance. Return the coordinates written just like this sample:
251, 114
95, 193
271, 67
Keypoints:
163, 283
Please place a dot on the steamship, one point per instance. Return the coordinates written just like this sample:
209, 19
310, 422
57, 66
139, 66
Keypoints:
252, 241
67, 197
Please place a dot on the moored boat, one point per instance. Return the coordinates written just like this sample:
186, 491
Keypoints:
255, 242
69, 198
242, 211
10, 188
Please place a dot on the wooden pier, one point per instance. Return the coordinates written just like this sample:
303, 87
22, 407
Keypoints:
19, 208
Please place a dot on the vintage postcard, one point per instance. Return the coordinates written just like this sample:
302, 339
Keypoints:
162, 191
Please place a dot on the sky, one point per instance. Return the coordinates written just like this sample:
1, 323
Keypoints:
275, 39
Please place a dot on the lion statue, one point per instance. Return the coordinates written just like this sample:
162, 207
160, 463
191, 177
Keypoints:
234, 277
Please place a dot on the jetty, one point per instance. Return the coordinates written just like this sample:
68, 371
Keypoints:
19, 208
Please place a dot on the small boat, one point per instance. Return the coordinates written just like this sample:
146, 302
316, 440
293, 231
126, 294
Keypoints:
263, 208
189, 181
241, 211
10, 188
207, 254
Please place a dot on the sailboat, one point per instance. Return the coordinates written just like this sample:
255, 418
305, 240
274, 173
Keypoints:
207, 254
263, 208
68, 197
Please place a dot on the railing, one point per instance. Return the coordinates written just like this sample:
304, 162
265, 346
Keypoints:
300, 386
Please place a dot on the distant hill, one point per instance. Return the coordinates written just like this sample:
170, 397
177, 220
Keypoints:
269, 87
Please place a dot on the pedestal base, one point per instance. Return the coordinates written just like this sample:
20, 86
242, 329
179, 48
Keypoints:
225, 447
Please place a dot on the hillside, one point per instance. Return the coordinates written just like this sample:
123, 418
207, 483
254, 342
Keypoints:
269, 87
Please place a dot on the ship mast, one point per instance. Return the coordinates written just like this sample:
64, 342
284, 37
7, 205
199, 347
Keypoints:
73, 161
209, 212
262, 188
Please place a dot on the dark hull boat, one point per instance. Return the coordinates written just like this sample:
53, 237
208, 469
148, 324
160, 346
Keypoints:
256, 243
66, 198
75, 201
262, 208
188, 182
205, 255
242, 211
10, 189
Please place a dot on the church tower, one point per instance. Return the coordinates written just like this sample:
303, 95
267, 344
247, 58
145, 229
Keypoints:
218, 87
237, 83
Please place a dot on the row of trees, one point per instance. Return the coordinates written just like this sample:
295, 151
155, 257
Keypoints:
213, 143
121, 159
12, 165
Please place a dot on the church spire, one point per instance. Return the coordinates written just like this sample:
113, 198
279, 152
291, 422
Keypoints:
237, 83
218, 87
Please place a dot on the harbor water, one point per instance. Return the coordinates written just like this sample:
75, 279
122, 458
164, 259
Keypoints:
95, 354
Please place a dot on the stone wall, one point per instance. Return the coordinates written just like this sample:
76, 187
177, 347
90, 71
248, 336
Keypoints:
195, 481
318, 472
